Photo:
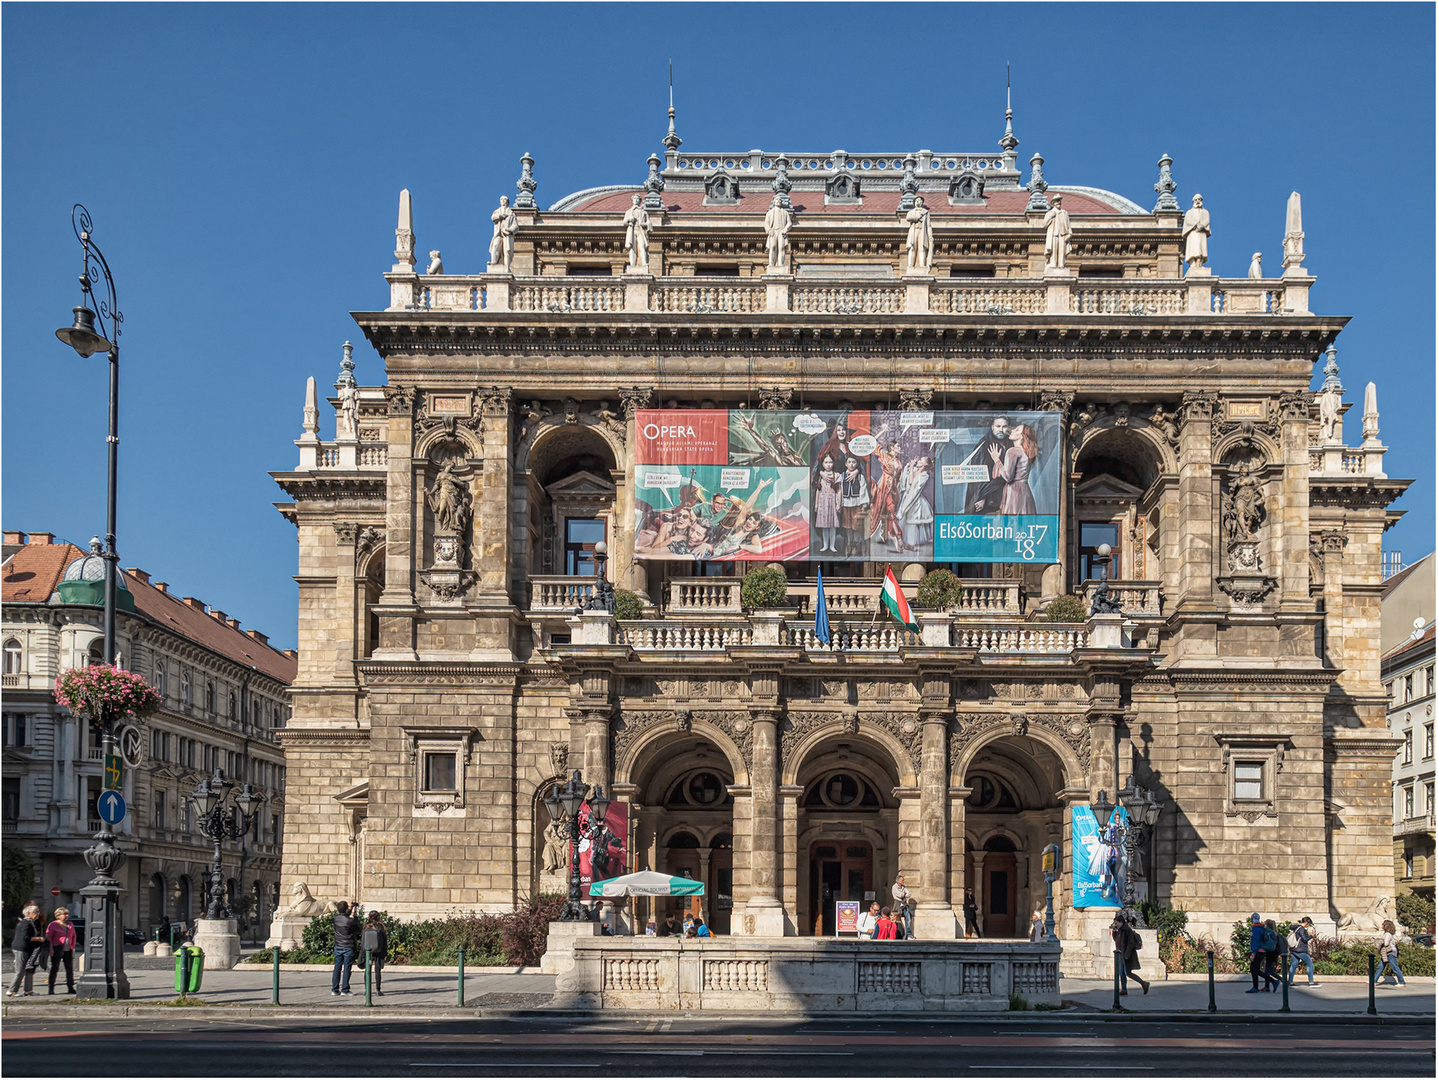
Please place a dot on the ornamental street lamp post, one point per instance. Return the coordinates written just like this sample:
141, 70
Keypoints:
220, 821
564, 803
1143, 810
1051, 874
603, 598
97, 329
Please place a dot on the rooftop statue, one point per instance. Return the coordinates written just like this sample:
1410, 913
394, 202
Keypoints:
1057, 230
636, 237
920, 241
436, 264
1196, 231
501, 247
1255, 268
777, 223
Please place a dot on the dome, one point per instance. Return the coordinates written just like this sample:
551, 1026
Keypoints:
91, 567
83, 582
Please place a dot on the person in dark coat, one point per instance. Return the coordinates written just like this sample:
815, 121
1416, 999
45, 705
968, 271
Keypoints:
27, 947
971, 915
347, 934
987, 497
1126, 944
378, 947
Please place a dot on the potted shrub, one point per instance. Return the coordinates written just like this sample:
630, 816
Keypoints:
764, 589
93, 691
627, 605
1066, 609
939, 590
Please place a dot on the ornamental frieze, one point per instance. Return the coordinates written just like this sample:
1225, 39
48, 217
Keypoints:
969, 728
630, 724
907, 728
796, 727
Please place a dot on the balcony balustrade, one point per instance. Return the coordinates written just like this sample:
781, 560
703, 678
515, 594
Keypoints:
1137, 598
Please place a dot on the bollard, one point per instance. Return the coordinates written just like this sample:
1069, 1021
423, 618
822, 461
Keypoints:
368, 958
1372, 981
461, 978
275, 978
1212, 1004
1117, 960
1283, 980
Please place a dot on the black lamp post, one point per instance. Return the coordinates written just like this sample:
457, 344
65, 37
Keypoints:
96, 328
564, 803
1052, 869
1143, 810
603, 598
219, 821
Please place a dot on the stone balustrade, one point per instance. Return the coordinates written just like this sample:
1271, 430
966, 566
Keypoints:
990, 298
671, 635
1134, 597
1031, 638
848, 299
1339, 460
559, 592
352, 455
850, 637
705, 296
844, 596
1128, 298
808, 975
706, 595
562, 295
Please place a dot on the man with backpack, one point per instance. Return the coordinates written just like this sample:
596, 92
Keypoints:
1261, 941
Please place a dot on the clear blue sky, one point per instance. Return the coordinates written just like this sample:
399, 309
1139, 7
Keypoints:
243, 165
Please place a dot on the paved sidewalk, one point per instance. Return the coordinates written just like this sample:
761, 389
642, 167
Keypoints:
1334, 994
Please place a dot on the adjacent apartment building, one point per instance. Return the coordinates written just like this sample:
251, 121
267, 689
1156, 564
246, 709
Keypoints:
1408, 672
225, 702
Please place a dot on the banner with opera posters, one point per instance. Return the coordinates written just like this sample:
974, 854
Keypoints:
862, 485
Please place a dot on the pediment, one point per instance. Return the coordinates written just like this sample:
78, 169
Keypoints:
1104, 486
353, 796
581, 485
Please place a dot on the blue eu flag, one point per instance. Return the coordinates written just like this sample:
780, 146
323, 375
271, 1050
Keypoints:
821, 612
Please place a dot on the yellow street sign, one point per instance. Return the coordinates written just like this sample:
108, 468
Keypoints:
114, 772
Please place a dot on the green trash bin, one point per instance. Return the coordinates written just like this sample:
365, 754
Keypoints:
189, 968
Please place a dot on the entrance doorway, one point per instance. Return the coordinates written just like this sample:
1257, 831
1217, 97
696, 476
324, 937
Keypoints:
838, 870
1000, 887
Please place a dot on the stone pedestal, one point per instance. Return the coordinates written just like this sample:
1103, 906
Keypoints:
936, 922
1058, 290
767, 916
496, 288
558, 956
636, 291
917, 284
776, 291
286, 932
220, 941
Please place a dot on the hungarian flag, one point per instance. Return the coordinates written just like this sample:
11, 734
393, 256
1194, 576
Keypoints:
895, 603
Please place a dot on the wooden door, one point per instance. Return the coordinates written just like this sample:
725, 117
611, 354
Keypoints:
838, 870
1000, 894
720, 889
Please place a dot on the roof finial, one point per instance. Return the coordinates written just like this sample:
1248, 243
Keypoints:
671, 140
1330, 372
1008, 142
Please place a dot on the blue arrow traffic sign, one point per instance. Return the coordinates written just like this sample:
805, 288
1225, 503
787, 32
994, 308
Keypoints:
112, 807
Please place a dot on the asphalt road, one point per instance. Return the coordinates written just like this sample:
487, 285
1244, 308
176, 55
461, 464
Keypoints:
569, 1048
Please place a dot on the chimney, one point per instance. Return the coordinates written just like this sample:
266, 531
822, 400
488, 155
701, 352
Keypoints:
234, 624
42, 538
292, 654
163, 586
218, 614
142, 576
198, 605
14, 538
258, 636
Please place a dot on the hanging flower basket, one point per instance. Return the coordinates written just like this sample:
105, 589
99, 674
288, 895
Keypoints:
93, 691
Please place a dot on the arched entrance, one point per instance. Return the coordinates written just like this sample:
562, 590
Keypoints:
848, 829
1011, 814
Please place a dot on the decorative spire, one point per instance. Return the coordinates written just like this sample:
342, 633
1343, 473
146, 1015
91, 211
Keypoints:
1009, 142
909, 185
1370, 413
347, 367
1038, 201
404, 236
672, 141
1330, 372
312, 412
1293, 238
1165, 187
653, 200
526, 184
782, 185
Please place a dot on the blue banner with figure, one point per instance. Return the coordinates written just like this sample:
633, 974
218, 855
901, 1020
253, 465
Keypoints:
1100, 865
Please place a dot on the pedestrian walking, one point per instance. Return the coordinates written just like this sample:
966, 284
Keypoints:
886, 929
60, 936
376, 945
1275, 956
903, 905
1301, 950
1126, 944
1388, 953
971, 915
1258, 953
347, 934
1036, 926
869, 921
26, 946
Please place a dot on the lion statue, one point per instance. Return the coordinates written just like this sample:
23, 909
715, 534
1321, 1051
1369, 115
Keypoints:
1371, 921
303, 905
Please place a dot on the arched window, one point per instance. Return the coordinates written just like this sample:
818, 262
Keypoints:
234, 707
210, 696
162, 681
187, 690
96, 654
14, 657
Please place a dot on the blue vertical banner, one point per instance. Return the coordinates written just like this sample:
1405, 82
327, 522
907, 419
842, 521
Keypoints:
1100, 865
821, 612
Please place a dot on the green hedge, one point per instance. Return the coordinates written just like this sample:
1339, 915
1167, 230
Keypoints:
1347, 957
1066, 609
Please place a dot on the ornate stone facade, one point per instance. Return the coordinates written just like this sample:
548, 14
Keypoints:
782, 773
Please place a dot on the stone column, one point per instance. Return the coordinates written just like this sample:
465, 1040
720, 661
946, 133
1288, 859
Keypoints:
978, 884
763, 903
490, 555
934, 914
341, 630
789, 796
1293, 569
1104, 765
596, 746
705, 855
1196, 524
396, 606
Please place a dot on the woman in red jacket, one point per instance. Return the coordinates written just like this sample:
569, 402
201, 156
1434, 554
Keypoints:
886, 929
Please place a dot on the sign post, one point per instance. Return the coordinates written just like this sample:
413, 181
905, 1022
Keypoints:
846, 917
114, 772
111, 805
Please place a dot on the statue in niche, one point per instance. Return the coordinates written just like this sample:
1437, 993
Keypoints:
1197, 228
636, 237
777, 223
449, 498
501, 247
1057, 230
920, 239
556, 855
1242, 506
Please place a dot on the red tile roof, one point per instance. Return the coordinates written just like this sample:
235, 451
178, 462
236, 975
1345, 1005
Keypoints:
31, 575
878, 202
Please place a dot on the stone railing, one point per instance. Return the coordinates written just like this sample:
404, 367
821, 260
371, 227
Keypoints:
10, 681
1032, 638
1339, 460
1417, 824
559, 593
845, 596
645, 635
351, 455
443, 292
850, 637
848, 299
705, 296
1134, 597
1138, 298
959, 298
1254, 297
708, 596
561, 295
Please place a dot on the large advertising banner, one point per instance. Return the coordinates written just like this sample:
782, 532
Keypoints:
1100, 863
765, 485
602, 854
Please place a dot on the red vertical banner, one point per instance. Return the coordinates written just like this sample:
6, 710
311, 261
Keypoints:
607, 851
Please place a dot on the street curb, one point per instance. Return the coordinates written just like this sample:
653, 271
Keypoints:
359, 1013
